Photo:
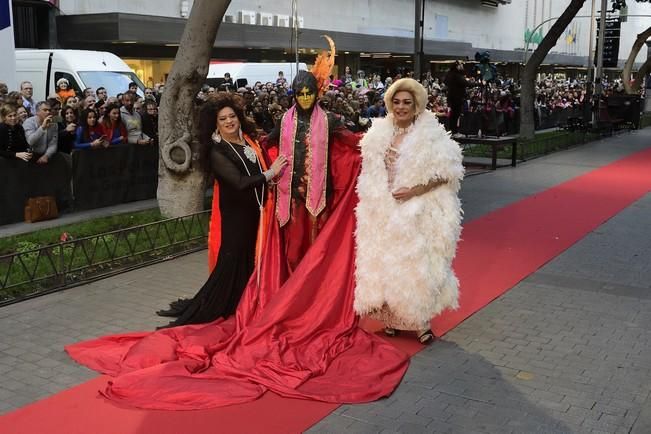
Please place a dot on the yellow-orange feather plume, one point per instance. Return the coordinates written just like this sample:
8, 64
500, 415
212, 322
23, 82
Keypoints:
323, 66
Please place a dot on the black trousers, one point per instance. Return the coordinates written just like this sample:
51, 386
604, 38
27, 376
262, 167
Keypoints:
456, 108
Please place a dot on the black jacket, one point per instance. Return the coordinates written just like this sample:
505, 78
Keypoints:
456, 83
12, 140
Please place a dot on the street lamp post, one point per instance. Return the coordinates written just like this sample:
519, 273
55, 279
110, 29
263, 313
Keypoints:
591, 44
590, 81
598, 90
419, 19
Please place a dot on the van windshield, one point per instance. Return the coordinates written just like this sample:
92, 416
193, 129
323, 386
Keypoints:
114, 81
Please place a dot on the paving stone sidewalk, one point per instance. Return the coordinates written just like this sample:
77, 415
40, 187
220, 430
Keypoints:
566, 350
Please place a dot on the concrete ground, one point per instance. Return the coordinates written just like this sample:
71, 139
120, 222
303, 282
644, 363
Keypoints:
566, 350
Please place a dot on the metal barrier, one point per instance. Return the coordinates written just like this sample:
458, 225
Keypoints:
70, 263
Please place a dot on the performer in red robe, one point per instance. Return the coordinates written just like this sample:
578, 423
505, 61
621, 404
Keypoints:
304, 193
294, 334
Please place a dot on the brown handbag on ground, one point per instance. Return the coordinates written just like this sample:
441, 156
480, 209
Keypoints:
41, 208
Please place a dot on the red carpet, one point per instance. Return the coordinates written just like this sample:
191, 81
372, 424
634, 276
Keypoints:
501, 248
497, 251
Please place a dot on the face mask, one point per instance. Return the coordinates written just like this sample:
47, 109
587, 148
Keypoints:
305, 98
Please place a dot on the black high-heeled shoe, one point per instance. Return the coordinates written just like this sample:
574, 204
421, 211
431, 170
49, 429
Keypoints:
168, 313
176, 308
426, 337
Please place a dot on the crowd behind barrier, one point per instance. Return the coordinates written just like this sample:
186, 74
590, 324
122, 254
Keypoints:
86, 149
90, 124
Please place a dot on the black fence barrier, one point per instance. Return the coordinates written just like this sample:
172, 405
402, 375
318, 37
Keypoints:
87, 179
20, 180
114, 175
499, 123
554, 118
489, 122
628, 108
52, 267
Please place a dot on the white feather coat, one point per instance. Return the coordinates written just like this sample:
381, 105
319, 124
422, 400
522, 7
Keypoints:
405, 249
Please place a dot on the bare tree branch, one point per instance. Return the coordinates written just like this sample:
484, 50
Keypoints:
628, 66
528, 91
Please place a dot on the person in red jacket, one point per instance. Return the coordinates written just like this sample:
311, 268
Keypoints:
112, 126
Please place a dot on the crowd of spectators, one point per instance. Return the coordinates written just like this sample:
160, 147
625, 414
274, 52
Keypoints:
358, 98
354, 100
68, 120
36, 130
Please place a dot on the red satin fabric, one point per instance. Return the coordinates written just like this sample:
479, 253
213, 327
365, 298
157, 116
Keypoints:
297, 336
300, 232
214, 229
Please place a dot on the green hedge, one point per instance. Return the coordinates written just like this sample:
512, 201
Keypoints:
39, 261
44, 237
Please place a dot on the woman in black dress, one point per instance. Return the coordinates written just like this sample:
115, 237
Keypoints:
13, 144
242, 185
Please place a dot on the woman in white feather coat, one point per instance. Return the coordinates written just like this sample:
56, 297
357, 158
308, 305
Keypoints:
408, 216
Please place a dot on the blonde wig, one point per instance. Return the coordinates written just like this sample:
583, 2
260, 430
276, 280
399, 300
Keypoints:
410, 85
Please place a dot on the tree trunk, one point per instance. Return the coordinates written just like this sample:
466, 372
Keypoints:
628, 66
528, 94
181, 173
639, 76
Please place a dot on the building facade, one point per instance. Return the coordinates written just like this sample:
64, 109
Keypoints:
368, 33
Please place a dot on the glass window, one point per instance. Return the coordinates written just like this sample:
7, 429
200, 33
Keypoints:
73, 83
114, 82
440, 26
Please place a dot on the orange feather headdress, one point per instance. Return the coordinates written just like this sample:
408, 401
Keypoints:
323, 65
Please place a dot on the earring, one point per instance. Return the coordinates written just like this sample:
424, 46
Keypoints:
240, 134
216, 137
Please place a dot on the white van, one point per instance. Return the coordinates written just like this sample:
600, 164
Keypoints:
244, 73
82, 69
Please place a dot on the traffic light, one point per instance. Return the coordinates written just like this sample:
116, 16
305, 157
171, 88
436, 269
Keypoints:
611, 41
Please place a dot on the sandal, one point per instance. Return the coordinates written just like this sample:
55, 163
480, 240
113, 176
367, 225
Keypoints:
390, 331
425, 337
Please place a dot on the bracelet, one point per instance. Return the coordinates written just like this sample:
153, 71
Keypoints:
268, 175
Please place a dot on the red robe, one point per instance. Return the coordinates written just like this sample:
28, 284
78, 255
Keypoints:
295, 335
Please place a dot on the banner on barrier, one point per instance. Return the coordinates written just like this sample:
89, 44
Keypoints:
118, 174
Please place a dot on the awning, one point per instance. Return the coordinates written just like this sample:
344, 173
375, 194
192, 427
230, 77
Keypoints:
93, 30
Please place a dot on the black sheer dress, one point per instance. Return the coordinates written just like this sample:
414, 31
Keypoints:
240, 214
